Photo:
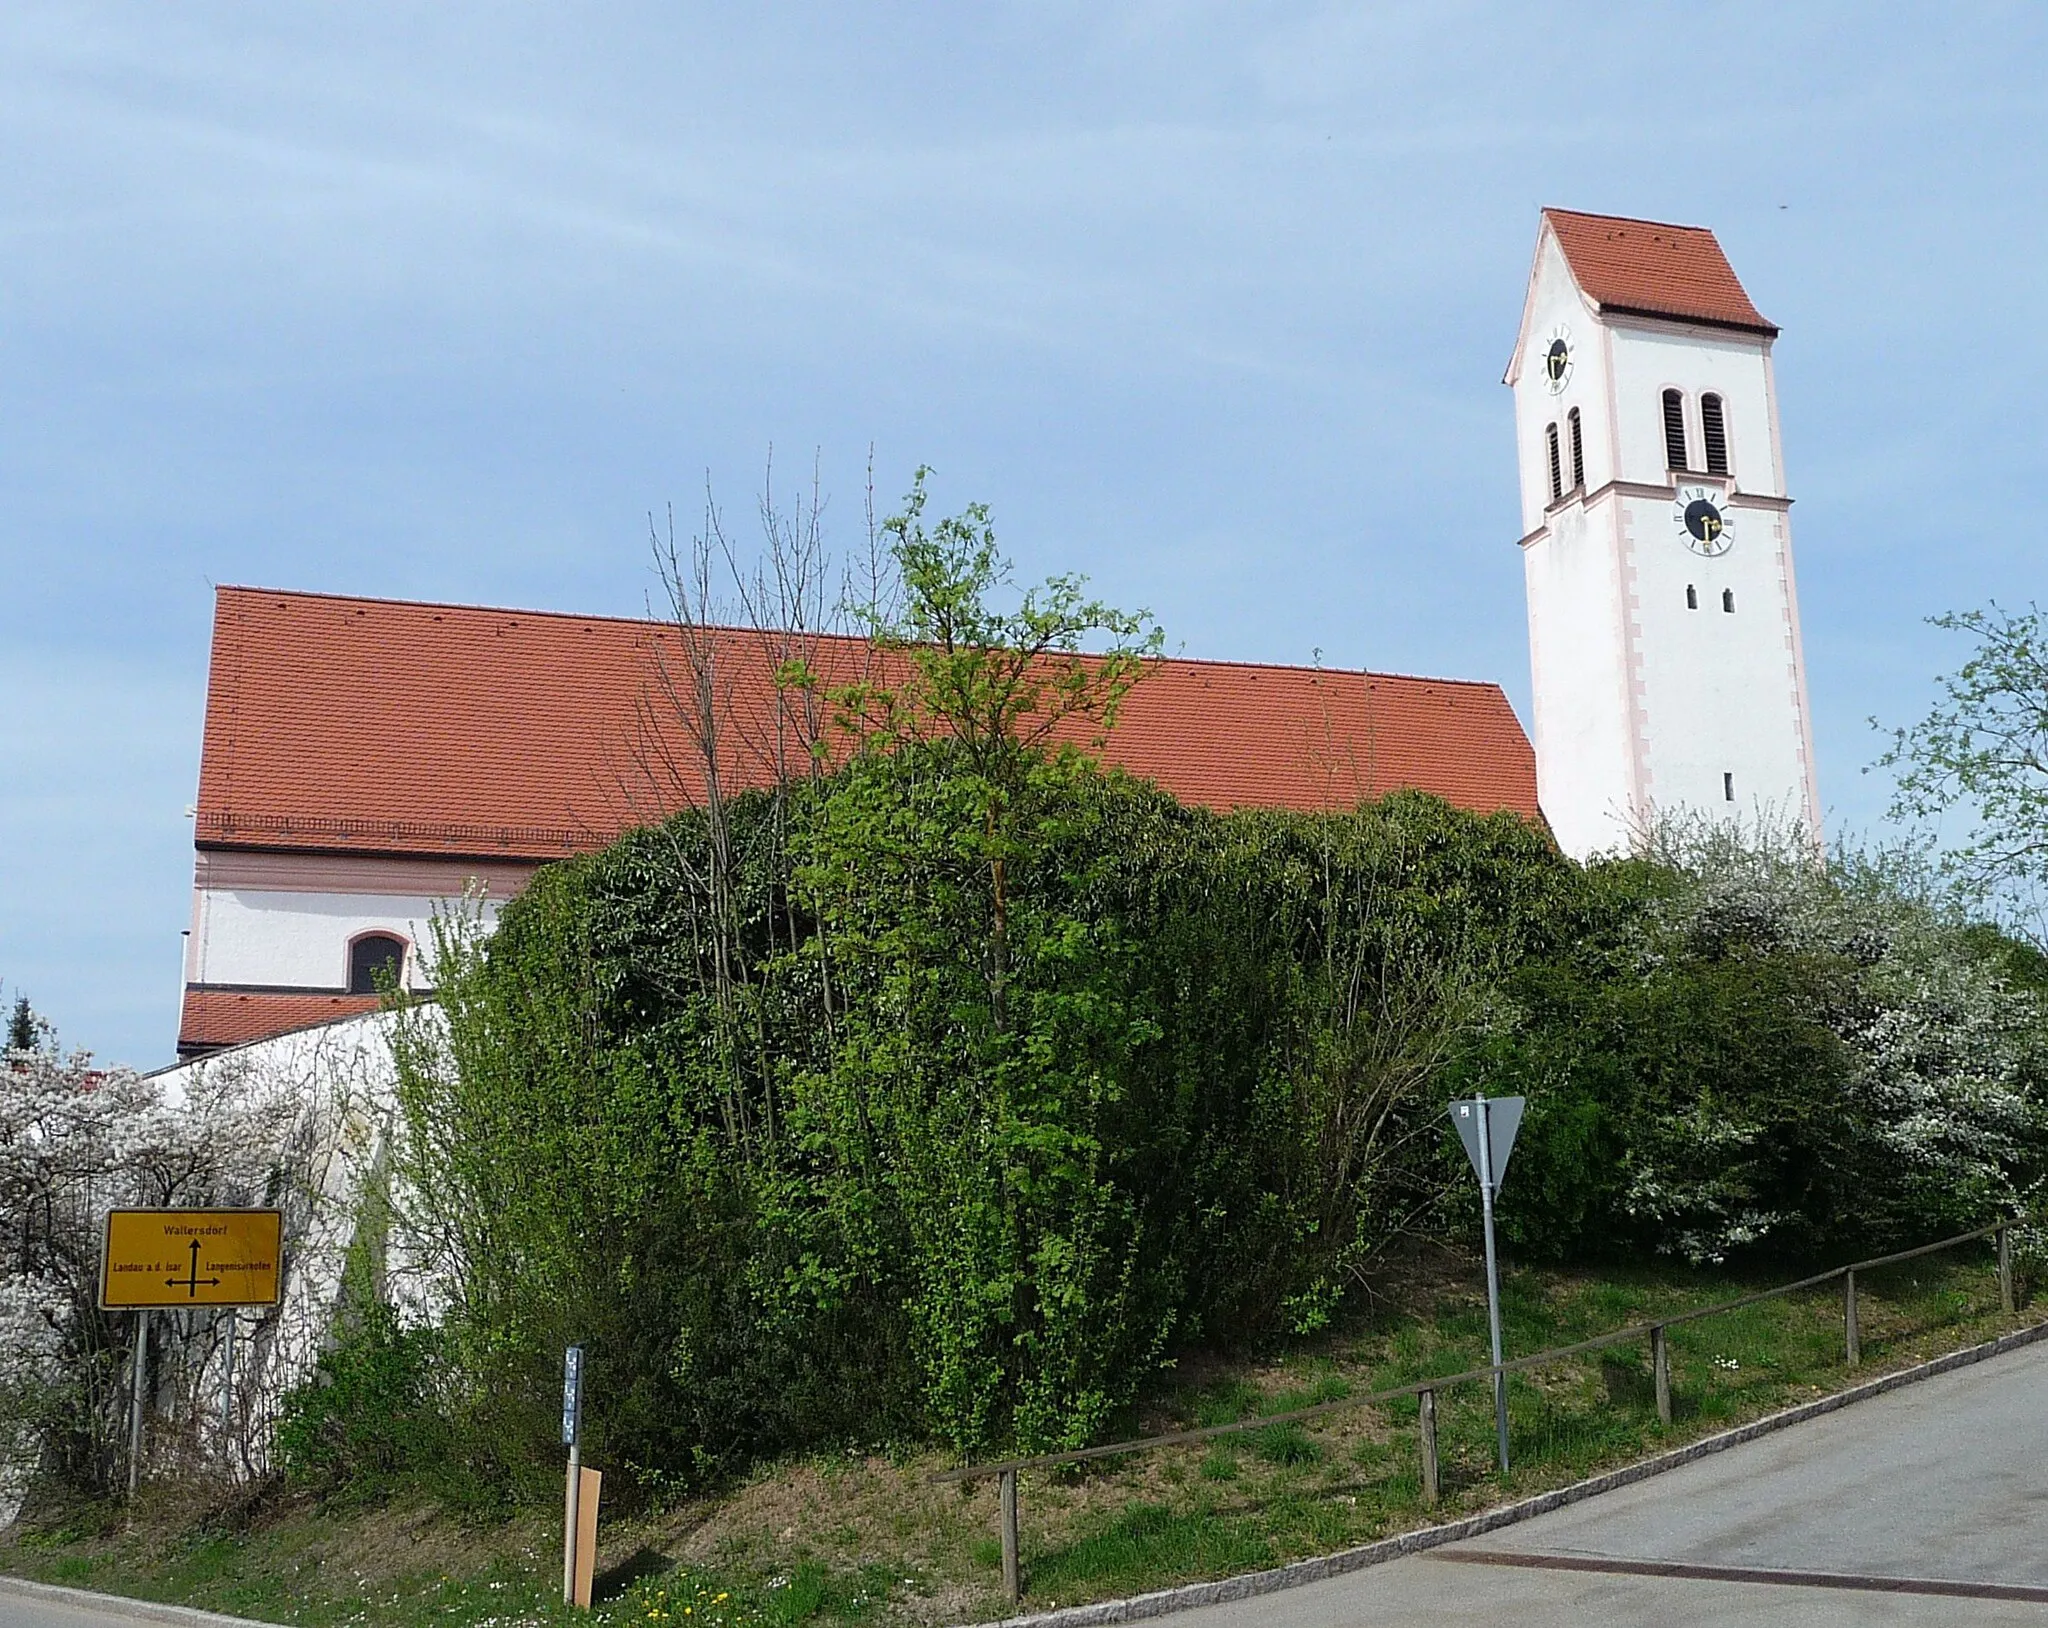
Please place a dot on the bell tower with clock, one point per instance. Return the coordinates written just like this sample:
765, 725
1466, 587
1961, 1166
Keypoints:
1664, 644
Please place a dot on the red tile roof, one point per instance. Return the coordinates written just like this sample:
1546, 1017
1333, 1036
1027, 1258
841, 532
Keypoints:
1648, 268
213, 1018
377, 726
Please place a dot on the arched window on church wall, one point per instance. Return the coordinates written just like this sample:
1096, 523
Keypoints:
372, 955
1674, 430
1556, 469
1578, 451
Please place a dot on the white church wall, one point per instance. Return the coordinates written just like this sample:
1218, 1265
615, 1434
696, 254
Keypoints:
342, 1081
301, 940
1577, 594
1649, 359
1557, 308
1720, 688
1576, 570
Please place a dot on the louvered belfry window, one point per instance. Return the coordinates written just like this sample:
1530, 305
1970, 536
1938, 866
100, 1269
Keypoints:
1717, 435
1556, 471
1674, 430
1578, 451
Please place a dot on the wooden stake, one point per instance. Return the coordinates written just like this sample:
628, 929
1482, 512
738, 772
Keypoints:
1853, 1334
1660, 1361
586, 1535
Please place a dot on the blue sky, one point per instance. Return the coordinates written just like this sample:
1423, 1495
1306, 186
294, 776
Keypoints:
1210, 302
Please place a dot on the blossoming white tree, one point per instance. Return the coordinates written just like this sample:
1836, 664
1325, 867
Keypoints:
76, 1141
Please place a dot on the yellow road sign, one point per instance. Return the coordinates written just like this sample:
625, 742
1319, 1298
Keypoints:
159, 1258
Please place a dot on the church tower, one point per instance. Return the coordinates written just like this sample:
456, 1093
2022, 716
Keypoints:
1664, 641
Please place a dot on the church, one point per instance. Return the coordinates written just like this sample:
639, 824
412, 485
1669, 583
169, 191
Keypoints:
366, 761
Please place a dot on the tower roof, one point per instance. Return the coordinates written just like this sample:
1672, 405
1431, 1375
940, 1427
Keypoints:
1651, 268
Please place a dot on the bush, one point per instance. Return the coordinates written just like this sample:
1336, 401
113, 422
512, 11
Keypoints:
368, 1420
1747, 1051
864, 1180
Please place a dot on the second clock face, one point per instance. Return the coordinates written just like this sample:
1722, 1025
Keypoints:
1557, 361
1701, 522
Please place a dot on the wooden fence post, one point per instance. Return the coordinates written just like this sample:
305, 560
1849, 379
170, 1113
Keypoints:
1660, 1363
1432, 1487
2005, 1301
1006, 1484
1852, 1335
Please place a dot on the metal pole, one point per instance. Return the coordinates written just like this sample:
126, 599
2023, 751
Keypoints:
1853, 1335
569, 1520
1660, 1362
227, 1395
1500, 1380
1432, 1487
2005, 1301
1006, 1484
140, 1379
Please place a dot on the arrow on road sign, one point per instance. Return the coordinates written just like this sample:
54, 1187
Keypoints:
191, 1280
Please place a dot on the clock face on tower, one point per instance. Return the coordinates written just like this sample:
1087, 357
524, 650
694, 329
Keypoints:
1557, 360
1702, 523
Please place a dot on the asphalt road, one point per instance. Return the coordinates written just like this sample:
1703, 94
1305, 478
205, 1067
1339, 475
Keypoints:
40, 1611
1944, 1482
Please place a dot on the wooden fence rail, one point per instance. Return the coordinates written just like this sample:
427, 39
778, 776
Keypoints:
1424, 1390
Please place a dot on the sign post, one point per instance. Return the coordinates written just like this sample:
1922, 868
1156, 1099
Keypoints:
157, 1260
1487, 1127
139, 1362
572, 1438
227, 1390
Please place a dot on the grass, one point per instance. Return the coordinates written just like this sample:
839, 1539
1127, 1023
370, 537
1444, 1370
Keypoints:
853, 1538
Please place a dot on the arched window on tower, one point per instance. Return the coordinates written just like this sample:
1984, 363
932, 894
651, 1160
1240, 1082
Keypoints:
1674, 430
1692, 597
1728, 600
1578, 451
373, 957
1556, 470
1716, 433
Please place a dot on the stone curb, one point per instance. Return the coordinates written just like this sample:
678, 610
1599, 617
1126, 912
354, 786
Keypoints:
120, 1605
1167, 1600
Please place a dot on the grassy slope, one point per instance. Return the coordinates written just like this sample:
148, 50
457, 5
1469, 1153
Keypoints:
861, 1537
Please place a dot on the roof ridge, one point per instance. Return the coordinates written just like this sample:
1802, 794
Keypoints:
845, 638
1628, 220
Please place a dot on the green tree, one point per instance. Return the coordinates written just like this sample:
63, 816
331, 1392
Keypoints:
27, 1029
1001, 686
1983, 749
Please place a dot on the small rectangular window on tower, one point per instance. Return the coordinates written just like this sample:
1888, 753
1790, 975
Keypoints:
1728, 600
1692, 597
1728, 788
1556, 470
1717, 435
1578, 451
1674, 430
